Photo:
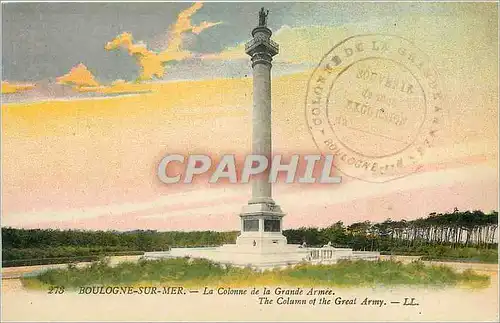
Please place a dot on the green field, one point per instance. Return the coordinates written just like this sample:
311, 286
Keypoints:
60, 255
198, 273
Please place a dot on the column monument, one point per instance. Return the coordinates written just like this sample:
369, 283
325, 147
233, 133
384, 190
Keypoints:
261, 219
261, 243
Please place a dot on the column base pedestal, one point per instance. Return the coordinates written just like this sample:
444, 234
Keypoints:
268, 234
258, 241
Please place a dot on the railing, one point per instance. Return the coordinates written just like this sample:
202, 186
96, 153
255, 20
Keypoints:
325, 254
255, 41
331, 254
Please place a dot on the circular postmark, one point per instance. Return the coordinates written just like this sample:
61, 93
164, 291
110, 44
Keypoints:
374, 102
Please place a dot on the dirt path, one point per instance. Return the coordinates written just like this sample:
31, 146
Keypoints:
17, 272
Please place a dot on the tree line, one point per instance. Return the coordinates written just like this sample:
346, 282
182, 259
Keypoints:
452, 234
24, 247
143, 240
455, 229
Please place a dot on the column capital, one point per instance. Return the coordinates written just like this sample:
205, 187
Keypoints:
261, 43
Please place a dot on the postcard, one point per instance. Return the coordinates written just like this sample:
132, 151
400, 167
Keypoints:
249, 161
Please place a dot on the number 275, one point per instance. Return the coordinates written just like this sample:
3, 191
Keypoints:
56, 290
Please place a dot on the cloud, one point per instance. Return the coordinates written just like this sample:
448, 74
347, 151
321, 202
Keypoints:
78, 76
152, 63
298, 45
175, 200
10, 88
230, 53
210, 205
308, 44
202, 26
183, 25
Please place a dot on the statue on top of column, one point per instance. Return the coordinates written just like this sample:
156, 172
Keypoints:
263, 17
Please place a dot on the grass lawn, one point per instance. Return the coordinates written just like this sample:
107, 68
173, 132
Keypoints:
199, 273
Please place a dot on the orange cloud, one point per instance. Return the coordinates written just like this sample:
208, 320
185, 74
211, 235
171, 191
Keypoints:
117, 87
202, 26
9, 88
78, 76
152, 63
183, 25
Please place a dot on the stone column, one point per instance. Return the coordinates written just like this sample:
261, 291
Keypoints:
261, 207
261, 120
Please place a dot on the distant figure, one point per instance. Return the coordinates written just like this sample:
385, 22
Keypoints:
329, 244
304, 244
263, 17
254, 243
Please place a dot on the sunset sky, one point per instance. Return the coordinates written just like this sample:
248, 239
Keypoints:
95, 94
